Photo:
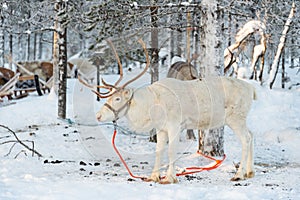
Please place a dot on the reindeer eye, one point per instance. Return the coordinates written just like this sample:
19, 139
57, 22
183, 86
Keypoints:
118, 99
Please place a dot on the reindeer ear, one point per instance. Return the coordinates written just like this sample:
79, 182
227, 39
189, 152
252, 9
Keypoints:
127, 93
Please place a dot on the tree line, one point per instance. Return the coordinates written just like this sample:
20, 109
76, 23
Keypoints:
57, 29
198, 31
27, 26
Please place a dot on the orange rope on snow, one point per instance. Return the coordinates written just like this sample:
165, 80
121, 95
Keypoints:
121, 158
187, 171
192, 170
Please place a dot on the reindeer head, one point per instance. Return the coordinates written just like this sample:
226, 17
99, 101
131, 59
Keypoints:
116, 106
118, 97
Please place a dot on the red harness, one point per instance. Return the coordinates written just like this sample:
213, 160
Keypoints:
187, 171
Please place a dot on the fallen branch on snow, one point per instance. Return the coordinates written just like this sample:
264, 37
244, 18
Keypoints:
18, 141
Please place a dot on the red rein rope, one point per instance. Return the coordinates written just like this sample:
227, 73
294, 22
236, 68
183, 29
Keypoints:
187, 171
192, 170
121, 158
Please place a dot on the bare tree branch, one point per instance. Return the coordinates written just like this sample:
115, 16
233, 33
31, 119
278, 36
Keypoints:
18, 141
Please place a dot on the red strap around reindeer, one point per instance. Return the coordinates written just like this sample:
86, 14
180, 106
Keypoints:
187, 171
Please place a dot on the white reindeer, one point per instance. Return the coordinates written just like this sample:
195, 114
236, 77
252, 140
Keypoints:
183, 71
171, 105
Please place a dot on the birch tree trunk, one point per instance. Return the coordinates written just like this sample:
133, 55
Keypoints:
1, 38
40, 49
34, 45
28, 53
189, 133
179, 37
10, 48
28, 47
154, 45
154, 55
61, 8
275, 65
55, 58
293, 53
172, 45
283, 69
195, 41
211, 142
188, 36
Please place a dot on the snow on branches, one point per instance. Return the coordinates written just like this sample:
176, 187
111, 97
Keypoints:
274, 67
257, 27
250, 28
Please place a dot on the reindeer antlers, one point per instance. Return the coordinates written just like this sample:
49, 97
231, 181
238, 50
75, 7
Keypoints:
99, 94
114, 88
119, 63
146, 67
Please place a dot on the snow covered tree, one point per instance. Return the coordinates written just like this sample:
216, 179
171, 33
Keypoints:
274, 67
2, 6
61, 8
154, 43
9, 12
211, 141
242, 39
155, 51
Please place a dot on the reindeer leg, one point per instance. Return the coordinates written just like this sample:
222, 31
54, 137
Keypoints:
250, 160
240, 129
162, 139
171, 173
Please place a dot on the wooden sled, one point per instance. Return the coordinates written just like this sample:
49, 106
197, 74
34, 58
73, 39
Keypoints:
39, 84
39, 87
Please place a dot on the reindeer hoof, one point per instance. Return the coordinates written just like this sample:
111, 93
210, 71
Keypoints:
250, 174
164, 182
147, 179
152, 178
168, 180
236, 179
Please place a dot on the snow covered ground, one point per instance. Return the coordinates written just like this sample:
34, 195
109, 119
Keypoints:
79, 162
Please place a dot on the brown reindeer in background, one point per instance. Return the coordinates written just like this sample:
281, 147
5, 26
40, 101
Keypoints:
184, 71
5, 75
